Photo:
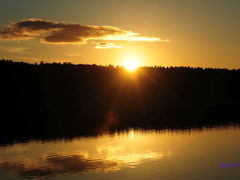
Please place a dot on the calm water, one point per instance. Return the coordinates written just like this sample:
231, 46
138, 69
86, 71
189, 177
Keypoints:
132, 154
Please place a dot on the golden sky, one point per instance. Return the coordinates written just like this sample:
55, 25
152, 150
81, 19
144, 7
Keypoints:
154, 32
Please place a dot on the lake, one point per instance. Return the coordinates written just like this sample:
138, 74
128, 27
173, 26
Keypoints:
130, 154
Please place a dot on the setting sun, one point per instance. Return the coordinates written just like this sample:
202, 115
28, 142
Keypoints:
111, 89
131, 64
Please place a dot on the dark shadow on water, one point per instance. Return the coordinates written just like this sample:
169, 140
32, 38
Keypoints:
51, 101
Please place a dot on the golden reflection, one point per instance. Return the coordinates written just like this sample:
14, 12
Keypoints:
132, 134
125, 157
96, 154
148, 152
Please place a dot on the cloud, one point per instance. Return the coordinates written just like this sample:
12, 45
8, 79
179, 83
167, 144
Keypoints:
107, 45
69, 33
13, 49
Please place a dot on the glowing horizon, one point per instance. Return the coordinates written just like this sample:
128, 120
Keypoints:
170, 33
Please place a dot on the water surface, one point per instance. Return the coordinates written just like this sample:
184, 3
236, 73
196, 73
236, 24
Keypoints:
132, 154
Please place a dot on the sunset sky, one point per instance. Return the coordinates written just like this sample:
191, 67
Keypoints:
202, 33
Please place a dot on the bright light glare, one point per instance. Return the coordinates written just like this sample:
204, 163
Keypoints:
132, 135
131, 64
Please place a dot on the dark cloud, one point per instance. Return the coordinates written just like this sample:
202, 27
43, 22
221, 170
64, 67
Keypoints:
53, 32
67, 33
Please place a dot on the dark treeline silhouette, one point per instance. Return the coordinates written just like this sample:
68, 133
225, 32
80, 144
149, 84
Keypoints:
64, 100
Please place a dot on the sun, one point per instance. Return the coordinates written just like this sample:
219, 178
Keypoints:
131, 64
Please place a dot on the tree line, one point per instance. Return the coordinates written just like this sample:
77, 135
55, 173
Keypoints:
63, 99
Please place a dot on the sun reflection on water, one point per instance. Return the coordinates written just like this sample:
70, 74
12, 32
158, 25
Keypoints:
129, 154
97, 154
132, 134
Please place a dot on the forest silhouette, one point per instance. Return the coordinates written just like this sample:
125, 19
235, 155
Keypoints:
52, 100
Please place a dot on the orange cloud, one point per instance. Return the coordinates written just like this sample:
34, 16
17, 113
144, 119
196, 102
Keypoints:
13, 49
